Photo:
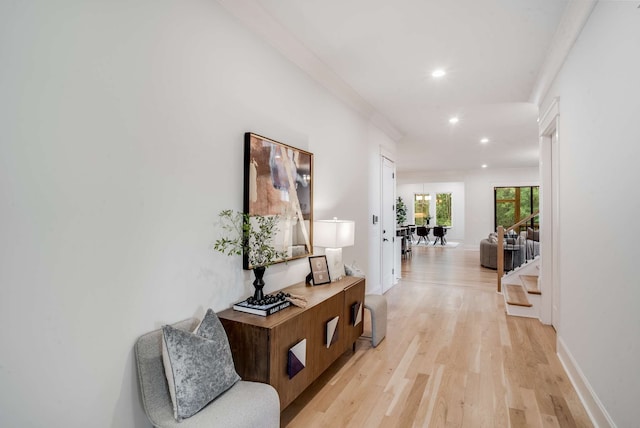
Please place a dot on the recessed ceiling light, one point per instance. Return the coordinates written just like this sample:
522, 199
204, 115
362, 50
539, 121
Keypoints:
485, 140
438, 73
454, 120
484, 165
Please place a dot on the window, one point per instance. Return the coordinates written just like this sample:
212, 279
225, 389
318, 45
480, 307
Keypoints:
512, 204
443, 209
422, 204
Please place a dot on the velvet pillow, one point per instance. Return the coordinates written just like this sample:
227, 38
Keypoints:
198, 366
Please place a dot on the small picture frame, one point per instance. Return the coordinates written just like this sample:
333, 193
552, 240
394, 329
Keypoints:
319, 270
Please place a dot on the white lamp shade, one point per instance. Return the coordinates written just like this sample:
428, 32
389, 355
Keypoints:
333, 233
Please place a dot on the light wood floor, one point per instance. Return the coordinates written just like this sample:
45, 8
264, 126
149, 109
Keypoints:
451, 358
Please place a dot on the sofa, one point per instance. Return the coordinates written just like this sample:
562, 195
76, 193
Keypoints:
245, 404
489, 252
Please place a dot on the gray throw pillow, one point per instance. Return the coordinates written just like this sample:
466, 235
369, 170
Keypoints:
199, 367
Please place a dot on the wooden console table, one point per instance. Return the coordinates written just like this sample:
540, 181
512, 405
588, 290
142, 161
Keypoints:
260, 345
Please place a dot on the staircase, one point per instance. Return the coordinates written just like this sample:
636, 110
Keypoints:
521, 291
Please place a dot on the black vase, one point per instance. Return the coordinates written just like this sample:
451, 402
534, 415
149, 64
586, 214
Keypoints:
258, 283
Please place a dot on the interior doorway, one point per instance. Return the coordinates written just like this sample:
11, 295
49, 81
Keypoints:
388, 223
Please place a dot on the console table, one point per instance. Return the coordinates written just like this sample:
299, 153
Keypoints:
260, 345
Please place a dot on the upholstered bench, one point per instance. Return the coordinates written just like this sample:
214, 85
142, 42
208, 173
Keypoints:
377, 306
245, 404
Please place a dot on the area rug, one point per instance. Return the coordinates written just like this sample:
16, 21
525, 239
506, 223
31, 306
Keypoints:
449, 244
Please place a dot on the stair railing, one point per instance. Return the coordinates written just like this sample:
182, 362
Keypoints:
501, 231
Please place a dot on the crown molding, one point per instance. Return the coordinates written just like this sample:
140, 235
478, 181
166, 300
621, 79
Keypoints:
573, 20
258, 20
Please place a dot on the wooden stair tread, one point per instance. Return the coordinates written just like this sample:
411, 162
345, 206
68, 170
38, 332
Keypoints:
515, 295
530, 283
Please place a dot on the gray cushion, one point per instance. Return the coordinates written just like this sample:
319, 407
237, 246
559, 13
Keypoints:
533, 235
199, 367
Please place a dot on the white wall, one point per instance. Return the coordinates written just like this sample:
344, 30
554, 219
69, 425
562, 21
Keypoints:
599, 101
121, 130
476, 188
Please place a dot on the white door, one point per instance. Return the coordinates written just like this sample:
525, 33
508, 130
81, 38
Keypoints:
388, 221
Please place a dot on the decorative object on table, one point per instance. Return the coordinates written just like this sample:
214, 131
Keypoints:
319, 270
252, 237
333, 235
353, 270
299, 301
297, 358
401, 212
278, 180
332, 331
270, 304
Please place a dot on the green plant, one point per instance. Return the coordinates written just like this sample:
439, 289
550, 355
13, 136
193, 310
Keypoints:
249, 235
401, 211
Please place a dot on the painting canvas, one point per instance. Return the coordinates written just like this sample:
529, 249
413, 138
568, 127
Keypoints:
278, 182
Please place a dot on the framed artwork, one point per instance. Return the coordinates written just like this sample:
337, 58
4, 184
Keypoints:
278, 181
319, 270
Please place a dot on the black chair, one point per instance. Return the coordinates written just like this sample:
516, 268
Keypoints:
404, 235
412, 232
423, 233
439, 232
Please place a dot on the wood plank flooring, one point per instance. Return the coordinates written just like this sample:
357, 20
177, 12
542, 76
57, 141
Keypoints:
451, 358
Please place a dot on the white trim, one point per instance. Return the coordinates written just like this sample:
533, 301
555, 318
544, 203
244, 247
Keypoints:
387, 154
549, 215
384, 159
573, 20
592, 404
547, 119
258, 20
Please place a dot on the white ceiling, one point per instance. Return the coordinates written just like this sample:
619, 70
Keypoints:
378, 55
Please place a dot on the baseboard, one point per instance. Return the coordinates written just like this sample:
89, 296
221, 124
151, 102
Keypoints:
592, 404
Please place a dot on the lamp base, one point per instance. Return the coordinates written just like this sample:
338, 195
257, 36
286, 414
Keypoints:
334, 260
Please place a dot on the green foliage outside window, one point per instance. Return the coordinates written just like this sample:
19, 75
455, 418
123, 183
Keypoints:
443, 209
512, 204
421, 209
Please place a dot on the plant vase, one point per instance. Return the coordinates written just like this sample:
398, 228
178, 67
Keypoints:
258, 283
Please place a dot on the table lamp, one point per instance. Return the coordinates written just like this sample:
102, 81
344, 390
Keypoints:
333, 235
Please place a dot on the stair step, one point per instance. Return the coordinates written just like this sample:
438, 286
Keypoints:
531, 283
515, 295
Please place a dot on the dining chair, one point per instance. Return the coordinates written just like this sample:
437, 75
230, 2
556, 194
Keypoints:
439, 232
423, 234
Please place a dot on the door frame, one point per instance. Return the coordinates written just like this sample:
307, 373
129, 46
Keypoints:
550, 285
392, 233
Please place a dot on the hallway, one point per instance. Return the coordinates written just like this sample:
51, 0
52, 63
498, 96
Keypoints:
451, 358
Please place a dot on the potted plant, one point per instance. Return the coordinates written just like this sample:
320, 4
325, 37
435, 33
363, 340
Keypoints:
401, 212
252, 237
